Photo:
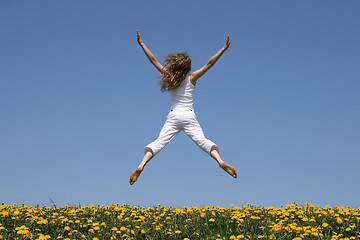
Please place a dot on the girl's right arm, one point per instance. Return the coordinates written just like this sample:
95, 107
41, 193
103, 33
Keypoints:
149, 54
197, 74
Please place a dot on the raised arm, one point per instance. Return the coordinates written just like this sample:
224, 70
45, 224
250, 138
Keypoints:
149, 54
198, 73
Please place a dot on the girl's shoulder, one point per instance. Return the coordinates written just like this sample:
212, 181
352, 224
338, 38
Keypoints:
191, 78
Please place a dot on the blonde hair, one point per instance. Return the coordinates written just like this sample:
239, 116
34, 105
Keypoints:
177, 66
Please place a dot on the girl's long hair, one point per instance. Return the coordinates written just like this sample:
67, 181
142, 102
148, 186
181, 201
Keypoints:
177, 66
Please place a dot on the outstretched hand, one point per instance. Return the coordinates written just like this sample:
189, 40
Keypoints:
227, 44
138, 37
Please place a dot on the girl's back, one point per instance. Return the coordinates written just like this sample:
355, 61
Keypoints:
182, 96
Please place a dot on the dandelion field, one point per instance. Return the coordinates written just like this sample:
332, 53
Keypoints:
125, 222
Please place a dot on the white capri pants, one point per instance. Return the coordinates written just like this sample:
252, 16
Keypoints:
176, 121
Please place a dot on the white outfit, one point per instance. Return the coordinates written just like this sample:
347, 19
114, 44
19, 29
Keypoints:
181, 117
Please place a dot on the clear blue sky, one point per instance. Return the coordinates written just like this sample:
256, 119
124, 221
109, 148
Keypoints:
79, 101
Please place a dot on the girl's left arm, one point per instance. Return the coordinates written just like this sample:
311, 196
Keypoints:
149, 54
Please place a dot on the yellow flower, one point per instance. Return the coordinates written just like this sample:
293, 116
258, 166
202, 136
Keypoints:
95, 238
4, 213
177, 231
43, 237
325, 224
186, 239
42, 221
338, 220
211, 220
67, 228
23, 230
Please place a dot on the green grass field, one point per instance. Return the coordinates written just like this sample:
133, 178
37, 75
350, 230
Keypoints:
126, 222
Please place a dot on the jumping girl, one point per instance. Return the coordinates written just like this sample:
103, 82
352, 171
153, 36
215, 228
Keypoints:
175, 78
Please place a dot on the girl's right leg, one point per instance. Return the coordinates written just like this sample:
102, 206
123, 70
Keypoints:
195, 132
226, 167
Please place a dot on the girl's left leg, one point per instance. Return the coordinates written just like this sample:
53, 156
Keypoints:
134, 176
170, 129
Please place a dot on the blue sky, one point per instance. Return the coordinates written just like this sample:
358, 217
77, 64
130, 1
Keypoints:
79, 101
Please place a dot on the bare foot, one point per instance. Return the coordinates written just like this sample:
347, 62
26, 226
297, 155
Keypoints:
229, 169
134, 176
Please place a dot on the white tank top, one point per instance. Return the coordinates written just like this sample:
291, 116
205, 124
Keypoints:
182, 96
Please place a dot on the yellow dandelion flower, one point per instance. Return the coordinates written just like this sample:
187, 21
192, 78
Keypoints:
23, 230
4, 213
211, 220
42, 221
44, 237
